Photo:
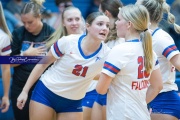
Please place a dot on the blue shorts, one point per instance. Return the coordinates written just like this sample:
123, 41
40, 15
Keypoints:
60, 104
167, 103
89, 99
101, 99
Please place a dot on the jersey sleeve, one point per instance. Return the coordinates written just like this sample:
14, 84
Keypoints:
59, 47
166, 47
5, 47
115, 61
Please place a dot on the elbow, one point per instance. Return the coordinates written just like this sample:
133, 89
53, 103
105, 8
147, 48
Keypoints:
160, 87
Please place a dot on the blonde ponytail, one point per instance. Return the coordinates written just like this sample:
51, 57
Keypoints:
139, 17
55, 36
148, 50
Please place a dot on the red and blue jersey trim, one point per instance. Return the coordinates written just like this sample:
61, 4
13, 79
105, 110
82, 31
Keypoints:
6, 48
57, 51
110, 67
169, 50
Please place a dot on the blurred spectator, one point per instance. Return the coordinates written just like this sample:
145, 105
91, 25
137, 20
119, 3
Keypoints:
12, 13
175, 9
15, 6
12, 22
95, 6
54, 19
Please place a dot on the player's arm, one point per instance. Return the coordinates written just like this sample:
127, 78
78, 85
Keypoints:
103, 83
6, 85
175, 60
156, 85
35, 74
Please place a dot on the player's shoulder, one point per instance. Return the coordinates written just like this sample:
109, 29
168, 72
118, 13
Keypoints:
70, 39
3, 36
73, 36
162, 35
105, 47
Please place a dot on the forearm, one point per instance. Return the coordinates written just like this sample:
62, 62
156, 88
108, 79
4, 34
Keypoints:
176, 61
38, 70
6, 75
15, 65
151, 93
33, 77
103, 83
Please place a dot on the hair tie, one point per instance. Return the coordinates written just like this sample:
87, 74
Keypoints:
145, 30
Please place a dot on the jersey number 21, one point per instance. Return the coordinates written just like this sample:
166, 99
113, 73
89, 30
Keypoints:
79, 70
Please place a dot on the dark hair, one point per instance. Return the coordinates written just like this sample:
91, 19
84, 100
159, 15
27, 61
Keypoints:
91, 17
111, 6
57, 2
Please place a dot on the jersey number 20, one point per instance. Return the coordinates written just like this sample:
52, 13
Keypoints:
141, 73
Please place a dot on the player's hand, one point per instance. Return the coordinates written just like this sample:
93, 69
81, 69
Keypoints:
21, 100
35, 51
4, 106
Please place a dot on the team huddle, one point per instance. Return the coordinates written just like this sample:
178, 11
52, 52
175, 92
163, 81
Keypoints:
118, 64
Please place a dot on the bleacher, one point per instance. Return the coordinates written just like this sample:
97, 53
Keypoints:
83, 5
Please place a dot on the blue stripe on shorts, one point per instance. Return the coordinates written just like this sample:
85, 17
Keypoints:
167, 103
60, 104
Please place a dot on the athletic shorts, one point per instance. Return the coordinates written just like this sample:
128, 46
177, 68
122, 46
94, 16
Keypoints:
167, 103
89, 99
101, 99
60, 104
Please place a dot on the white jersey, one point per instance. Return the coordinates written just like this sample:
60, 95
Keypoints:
165, 49
110, 44
73, 71
127, 92
92, 85
113, 43
5, 47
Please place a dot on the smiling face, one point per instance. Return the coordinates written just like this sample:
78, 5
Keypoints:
31, 23
99, 29
72, 21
